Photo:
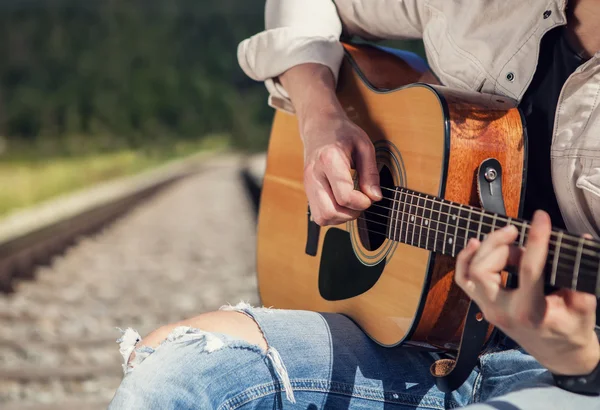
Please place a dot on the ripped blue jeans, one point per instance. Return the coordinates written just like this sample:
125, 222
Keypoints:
320, 361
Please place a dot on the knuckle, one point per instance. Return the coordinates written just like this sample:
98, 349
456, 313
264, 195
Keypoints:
344, 199
326, 157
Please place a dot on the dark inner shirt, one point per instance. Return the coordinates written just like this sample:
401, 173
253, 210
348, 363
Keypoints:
556, 62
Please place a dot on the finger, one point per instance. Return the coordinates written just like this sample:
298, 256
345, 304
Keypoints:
587, 236
529, 302
484, 272
336, 167
324, 209
461, 269
536, 251
580, 302
368, 174
504, 237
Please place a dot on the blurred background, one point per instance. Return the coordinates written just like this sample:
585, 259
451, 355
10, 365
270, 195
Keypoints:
131, 150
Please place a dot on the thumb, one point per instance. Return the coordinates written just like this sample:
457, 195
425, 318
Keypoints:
368, 174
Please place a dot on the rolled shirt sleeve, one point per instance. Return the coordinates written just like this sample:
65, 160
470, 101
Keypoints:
297, 32
308, 31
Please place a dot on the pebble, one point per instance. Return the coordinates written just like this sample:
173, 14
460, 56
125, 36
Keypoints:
187, 250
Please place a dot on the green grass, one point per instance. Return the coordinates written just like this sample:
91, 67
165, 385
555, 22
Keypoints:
25, 182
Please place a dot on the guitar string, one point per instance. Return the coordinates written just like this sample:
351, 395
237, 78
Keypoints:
563, 245
476, 211
435, 239
564, 239
565, 248
582, 273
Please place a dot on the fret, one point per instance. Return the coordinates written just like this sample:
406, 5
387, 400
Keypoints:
589, 263
419, 222
555, 258
405, 217
486, 226
428, 212
522, 234
479, 226
468, 229
445, 215
436, 206
391, 220
456, 218
493, 223
413, 219
396, 211
577, 263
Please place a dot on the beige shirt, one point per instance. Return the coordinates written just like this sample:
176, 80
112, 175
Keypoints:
480, 45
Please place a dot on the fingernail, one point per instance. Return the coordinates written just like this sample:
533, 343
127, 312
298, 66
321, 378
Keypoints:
376, 191
508, 228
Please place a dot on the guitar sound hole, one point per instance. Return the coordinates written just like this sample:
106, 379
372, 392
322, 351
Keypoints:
373, 224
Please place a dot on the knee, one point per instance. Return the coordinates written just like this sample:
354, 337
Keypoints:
233, 324
195, 354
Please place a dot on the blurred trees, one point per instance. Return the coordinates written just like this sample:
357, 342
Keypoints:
104, 74
123, 72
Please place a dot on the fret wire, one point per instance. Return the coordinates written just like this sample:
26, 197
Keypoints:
402, 220
468, 227
446, 229
411, 218
393, 216
395, 209
403, 214
479, 227
437, 225
455, 232
428, 223
423, 221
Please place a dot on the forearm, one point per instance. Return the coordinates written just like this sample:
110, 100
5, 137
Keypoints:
311, 88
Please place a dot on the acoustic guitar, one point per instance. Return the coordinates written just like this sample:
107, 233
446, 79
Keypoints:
452, 166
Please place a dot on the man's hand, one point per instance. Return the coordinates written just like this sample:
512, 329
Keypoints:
558, 329
333, 146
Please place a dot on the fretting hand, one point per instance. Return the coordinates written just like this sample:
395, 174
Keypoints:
557, 329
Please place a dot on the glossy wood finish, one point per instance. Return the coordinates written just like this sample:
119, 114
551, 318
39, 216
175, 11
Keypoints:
414, 120
480, 129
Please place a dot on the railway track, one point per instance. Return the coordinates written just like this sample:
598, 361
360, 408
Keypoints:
31, 238
185, 249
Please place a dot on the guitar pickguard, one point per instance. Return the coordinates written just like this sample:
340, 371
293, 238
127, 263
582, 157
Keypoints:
341, 274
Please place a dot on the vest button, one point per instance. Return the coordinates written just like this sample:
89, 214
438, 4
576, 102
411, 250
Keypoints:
510, 76
547, 14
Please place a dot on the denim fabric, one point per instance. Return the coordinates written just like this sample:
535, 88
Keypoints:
322, 361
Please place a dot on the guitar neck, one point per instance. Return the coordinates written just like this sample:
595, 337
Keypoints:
445, 227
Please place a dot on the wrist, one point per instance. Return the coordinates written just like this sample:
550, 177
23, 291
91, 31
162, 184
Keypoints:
311, 88
585, 362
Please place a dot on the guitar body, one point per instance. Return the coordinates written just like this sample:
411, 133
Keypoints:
430, 139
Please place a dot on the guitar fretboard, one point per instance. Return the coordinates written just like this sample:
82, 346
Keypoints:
445, 227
